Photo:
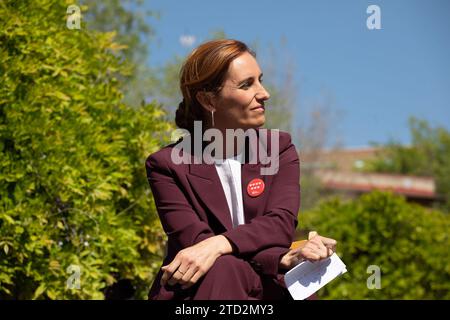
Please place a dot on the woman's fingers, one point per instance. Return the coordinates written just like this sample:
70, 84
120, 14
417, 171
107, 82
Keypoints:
330, 251
176, 277
322, 251
185, 280
318, 247
169, 270
309, 253
329, 243
194, 278
295, 252
295, 256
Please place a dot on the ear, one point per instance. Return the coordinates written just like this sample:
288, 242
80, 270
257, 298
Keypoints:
206, 101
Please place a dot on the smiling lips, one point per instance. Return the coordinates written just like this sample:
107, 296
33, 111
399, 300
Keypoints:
259, 108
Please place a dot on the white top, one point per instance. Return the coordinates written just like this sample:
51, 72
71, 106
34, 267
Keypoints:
229, 171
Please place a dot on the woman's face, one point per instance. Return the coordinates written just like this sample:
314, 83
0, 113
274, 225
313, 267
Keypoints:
240, 103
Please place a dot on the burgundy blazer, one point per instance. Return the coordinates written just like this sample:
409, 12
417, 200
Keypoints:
192, 205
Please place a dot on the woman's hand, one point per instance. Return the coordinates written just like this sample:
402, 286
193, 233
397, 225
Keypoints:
191, 263
315, 249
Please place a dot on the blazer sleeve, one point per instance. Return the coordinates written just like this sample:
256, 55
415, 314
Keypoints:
267, 261
276, 227
179, 220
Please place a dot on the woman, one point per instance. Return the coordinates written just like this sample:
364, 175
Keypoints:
229, 227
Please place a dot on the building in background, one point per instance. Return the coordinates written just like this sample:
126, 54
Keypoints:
341, 171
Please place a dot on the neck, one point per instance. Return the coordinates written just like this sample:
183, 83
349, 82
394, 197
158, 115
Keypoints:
231, 145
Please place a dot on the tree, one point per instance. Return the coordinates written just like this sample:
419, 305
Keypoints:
74, 200
428, 155
314, 133
407, 242
130, 21
278, 68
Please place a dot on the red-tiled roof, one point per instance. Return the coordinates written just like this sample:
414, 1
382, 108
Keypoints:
411, 186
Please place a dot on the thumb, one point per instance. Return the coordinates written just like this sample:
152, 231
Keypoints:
328, 242
312, 234
330, 251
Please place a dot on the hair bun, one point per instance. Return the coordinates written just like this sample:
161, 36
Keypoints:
181, 116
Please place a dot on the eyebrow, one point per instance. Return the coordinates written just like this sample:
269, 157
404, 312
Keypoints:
248, 78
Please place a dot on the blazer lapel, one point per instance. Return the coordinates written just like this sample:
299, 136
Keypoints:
253, 206
206, 183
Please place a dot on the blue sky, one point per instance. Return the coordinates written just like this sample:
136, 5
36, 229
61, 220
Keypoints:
375, 79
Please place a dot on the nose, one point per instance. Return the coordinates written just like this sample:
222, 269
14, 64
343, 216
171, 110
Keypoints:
262, 94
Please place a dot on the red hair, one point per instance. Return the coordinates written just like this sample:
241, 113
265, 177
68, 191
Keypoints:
205, 69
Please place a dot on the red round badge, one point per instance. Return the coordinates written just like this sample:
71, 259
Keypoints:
255, 187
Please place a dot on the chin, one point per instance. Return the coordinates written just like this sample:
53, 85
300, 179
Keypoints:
255, 123
261, 122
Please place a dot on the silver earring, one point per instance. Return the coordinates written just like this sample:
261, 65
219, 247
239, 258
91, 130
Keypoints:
212, 117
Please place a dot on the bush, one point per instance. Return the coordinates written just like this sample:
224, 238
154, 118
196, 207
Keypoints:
408, 242
428, 155
73, 189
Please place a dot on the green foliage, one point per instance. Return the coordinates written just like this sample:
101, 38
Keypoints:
129, 19
428, 155
408, 242
165, 85
315, 191
72, 179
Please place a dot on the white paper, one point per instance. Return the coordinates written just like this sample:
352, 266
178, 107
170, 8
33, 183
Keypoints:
307, 277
